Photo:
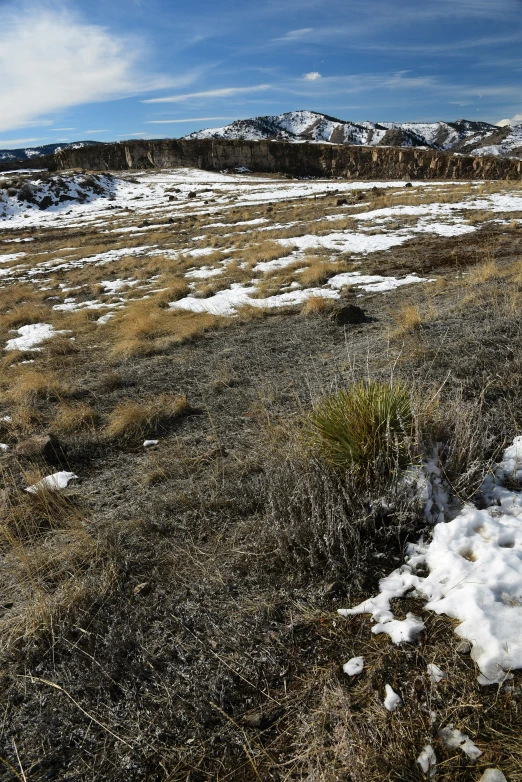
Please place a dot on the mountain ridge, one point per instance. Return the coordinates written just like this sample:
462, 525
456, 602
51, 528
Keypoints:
26, 153
462, 136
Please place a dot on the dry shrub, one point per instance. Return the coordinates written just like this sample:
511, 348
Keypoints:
132, 420
330, 521
318, 305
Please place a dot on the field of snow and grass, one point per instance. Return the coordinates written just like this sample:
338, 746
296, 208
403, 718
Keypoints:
174, 556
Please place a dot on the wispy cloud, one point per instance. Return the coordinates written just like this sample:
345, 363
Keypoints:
188, 119
51, 59
292, 36
18, 142
105, 130
224, 92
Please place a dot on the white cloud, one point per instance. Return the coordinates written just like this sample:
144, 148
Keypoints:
224, 92
105, 130
312, 76
190, 119
51, 60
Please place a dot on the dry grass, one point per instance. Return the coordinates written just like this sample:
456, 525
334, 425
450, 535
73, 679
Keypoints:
267, 250
131, 420
484, 272
32, 385
47, 549
74, 417
318, 305
408, 320
318, 273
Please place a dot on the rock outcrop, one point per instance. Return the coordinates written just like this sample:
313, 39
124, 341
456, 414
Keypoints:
322, 160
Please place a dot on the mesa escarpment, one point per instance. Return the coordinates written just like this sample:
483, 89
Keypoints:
324, 160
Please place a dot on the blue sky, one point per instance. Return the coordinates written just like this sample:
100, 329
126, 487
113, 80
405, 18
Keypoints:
90, 69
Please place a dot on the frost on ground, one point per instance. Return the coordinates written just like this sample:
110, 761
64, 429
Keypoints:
475, 575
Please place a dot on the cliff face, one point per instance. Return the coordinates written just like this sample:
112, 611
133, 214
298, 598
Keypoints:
325, 160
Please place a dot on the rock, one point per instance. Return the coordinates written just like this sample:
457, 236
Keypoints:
142, 589
361, 196
493, 775
262, 720
464, 647
348, 314
172, 198
341, 202
41, 446
191, 194
335, 589
46, 202
408, 184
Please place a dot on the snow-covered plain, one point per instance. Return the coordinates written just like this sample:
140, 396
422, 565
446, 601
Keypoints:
156, 204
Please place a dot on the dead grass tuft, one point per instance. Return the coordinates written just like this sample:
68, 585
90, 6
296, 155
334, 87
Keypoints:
131, 420
73, 417
318, 305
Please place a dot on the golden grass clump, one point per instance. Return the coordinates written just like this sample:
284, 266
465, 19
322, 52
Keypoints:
32, 385
131, 420
73, 417
483, 272
267, 250
318, 273
408, 320
368, 427
318, 305
24, 314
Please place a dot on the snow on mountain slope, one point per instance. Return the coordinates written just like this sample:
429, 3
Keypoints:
46, 149
464, 136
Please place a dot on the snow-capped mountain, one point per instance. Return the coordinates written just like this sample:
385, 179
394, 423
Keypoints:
46, 149
464, 136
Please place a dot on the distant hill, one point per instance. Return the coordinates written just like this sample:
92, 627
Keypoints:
47, 149
464, 136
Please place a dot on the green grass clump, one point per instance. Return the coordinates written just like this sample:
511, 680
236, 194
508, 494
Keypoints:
369, 426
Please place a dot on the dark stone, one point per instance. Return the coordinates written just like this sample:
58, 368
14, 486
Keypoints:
408, 184
191, 194
41, 446
348, 314
341, 202
46, 202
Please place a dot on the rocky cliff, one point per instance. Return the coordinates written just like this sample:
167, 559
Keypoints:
324, 160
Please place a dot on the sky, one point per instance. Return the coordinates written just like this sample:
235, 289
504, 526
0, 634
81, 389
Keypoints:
89, 69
